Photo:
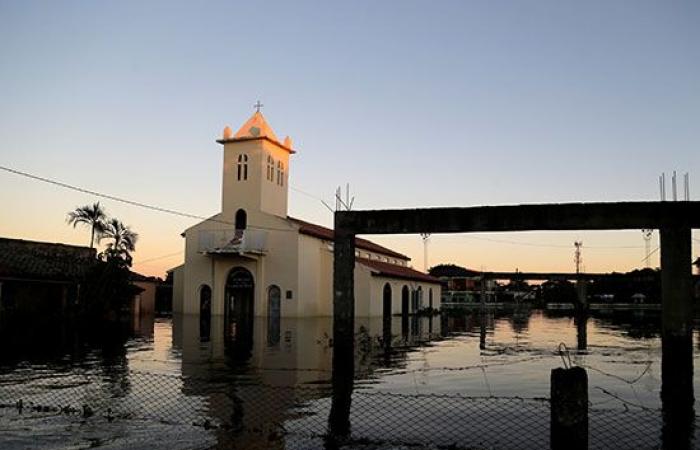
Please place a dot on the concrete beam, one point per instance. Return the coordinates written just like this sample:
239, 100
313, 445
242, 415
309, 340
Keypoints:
562, 216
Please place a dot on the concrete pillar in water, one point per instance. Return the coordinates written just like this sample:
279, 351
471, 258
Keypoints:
343, 334
677, 394
569, 414
482, 297
581, 295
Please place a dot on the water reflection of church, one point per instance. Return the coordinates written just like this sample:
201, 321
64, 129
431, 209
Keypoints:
253, 260
287, 366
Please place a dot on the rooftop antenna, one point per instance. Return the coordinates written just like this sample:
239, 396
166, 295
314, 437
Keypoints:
343, 205
662, 187
674, 187
686, 186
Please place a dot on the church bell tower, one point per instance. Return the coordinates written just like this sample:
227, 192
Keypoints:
256, 169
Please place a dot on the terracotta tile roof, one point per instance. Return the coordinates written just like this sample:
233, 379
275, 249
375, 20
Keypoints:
396, 271
43, 260
317, 231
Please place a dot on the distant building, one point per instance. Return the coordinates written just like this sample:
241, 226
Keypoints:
40, 277
461, 284
144, 302
252, 259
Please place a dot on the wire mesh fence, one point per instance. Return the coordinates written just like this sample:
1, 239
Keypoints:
134, 409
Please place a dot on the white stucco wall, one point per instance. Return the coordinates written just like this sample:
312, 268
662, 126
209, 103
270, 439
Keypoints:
178, 288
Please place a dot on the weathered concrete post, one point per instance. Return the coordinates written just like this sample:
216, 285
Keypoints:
677, 394
581, 295
343, 332
569, 413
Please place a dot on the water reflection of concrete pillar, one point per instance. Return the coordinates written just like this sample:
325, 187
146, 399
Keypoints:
343, 334
581, 321
482, 330
677, 394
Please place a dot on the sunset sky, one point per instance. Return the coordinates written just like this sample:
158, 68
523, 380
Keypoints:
413, 103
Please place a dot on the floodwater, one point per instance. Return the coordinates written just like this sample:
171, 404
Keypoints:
465, 379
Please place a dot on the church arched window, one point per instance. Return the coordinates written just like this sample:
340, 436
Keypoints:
270, 168
279, 171
241, 220
242, 167
282, 175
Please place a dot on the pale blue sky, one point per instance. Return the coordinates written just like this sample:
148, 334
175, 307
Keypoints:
413, 103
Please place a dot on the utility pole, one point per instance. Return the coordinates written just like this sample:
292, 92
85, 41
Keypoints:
426, 237
647, 234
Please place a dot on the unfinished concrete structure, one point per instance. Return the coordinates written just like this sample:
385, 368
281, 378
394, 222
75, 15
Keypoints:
674, 220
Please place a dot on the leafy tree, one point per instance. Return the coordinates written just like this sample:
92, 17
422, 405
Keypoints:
106, 290
451, 270
123, 242
92, 215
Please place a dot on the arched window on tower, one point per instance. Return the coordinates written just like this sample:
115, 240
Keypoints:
242, 167
241, 219
279, 171
282, 175
270, 168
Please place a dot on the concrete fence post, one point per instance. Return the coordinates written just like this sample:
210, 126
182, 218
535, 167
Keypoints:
343, 334
569, 409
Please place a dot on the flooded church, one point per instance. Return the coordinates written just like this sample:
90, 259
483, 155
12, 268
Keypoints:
253, 260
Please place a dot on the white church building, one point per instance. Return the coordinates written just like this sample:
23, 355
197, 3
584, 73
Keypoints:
252, 259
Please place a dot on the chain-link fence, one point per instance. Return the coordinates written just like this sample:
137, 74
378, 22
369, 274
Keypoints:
131, 409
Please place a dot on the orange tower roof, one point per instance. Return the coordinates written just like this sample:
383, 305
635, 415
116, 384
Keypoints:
256, 126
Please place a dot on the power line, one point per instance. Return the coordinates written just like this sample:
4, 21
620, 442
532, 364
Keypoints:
651, 253
227, 222
127, 201
532, 244
315, 197
169, 255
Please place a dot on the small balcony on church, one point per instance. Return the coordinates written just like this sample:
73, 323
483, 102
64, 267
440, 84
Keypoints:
233, 241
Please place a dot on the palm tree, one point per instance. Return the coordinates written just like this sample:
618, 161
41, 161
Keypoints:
92, 215
123, 239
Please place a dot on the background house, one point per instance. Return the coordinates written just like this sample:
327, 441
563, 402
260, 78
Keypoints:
41, 277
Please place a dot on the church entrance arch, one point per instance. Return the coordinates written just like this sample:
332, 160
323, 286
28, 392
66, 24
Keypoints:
239, 298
